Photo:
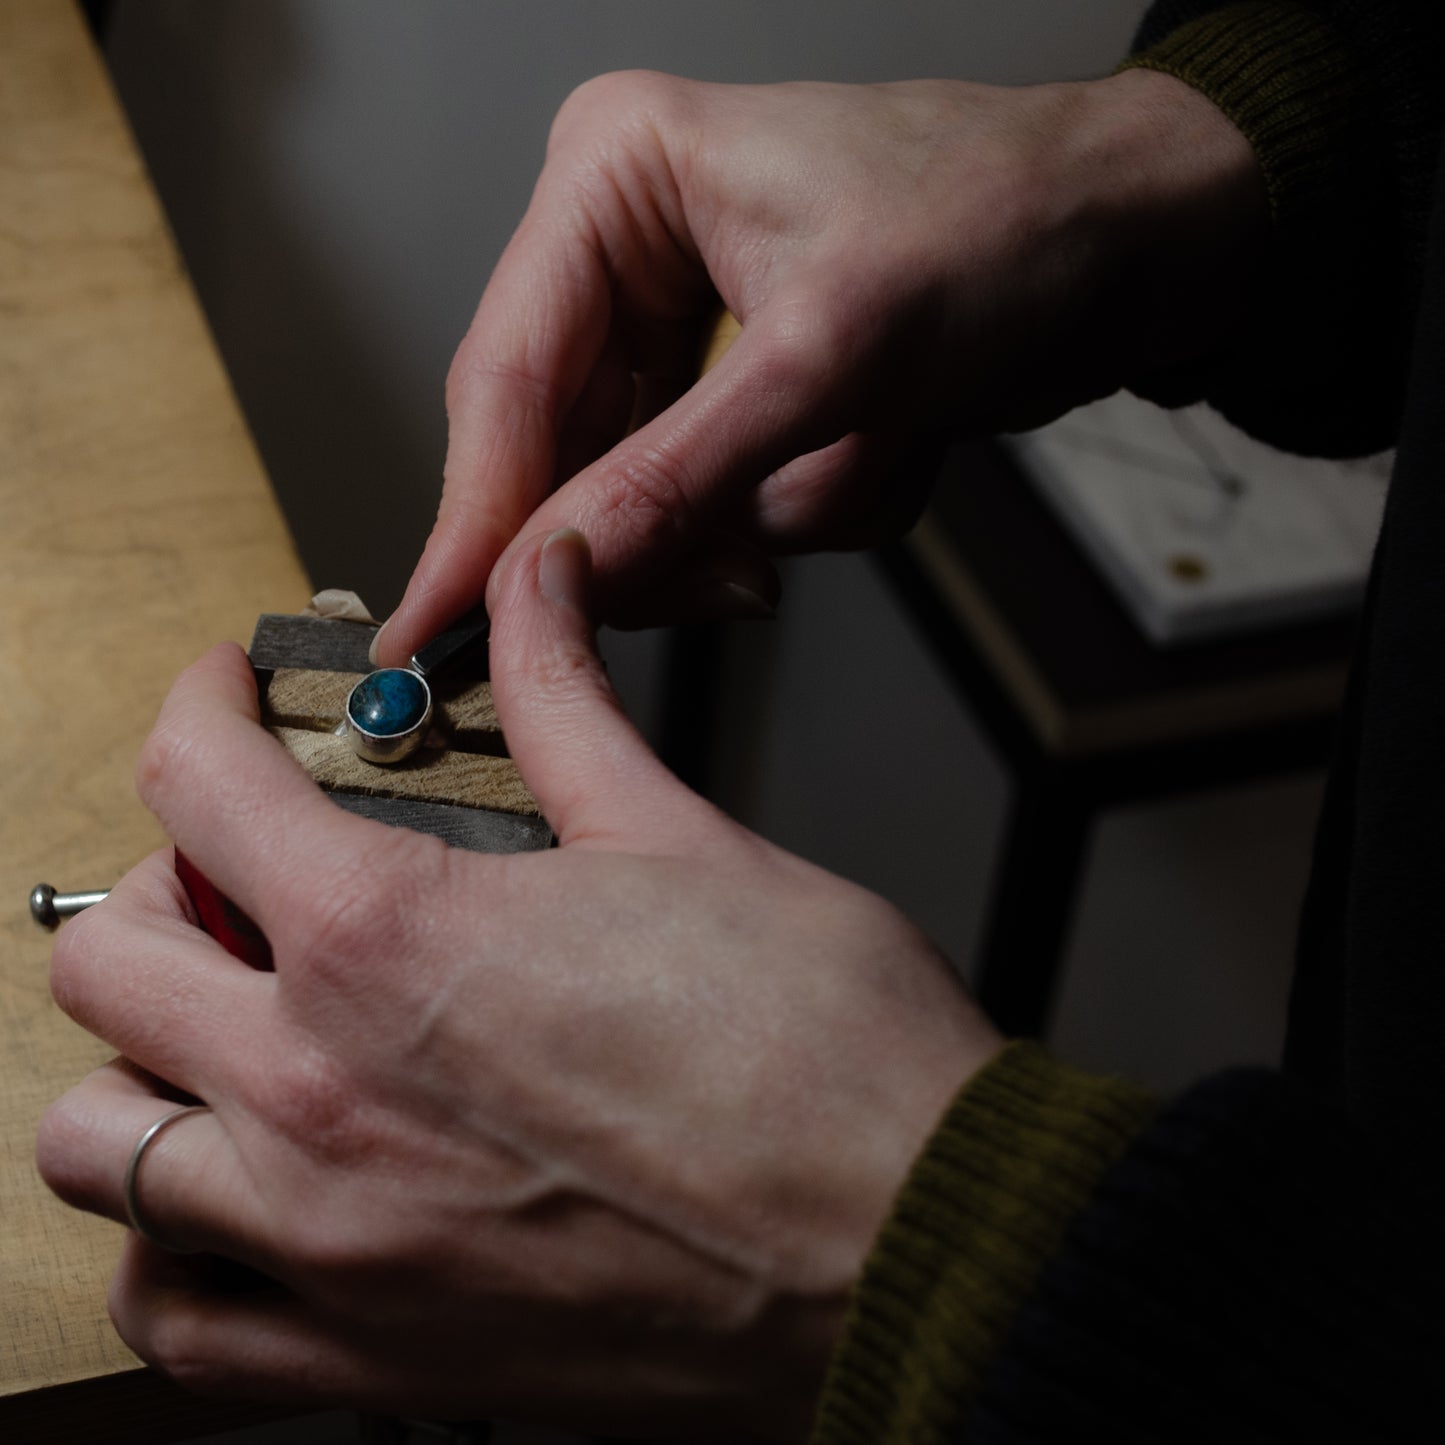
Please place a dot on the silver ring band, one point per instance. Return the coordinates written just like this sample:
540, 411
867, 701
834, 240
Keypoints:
132, 1173
388, 714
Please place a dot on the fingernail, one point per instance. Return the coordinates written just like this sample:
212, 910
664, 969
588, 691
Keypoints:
564, 566
375, 643
739, 601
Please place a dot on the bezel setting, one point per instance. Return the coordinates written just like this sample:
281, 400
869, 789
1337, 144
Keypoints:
394, 745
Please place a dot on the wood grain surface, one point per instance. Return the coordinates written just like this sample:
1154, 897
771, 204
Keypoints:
473, 780
136, 529
315, 698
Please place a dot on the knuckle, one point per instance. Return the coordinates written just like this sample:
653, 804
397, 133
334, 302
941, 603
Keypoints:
71, 960
165, 757
611, 97
63, 1139
645, 499
349, 921
472, 373
314, 1102
363, 905
347, 1263
153, 761
803, 343
567, 671
347, 1257
174, 1342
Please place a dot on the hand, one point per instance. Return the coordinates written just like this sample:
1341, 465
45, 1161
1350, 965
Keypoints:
599, 1135
925, 257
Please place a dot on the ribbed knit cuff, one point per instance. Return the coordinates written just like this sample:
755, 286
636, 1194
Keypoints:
1280, 73
1249, 1270
1014, 1159
1318, 365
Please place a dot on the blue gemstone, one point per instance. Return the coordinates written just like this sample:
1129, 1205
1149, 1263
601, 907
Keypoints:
387, 702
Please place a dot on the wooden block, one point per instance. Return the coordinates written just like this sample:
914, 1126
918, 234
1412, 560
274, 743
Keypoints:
478, 829
461, 787
473, 780
329, 644
726, 329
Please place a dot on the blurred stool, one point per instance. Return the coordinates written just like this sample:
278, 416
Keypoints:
1084, 711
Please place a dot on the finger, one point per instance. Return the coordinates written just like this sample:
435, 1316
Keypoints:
729, 581
539, 331
667, 357
779, 393
255, 1340
555, 367
192, 1189
245, 812
215, 1339
590, 770
644, 366
599, 417
863, 489
522, 1359
139, 973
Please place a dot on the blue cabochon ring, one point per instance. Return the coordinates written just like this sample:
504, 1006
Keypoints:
389, 711
387, 714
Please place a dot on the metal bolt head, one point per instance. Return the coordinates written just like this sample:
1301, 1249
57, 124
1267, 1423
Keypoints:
42, 905
48, 908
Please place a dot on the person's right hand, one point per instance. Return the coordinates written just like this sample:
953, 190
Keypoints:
933, 256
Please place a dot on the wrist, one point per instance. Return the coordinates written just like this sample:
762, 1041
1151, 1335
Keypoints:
1181, 210
987, 1203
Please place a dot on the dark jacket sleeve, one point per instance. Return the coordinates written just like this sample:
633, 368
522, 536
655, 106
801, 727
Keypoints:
1259, 1260
1248, 1271
1068, 1262
1343, 101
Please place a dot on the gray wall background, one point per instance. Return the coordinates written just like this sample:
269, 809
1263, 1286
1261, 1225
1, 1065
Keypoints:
342, 174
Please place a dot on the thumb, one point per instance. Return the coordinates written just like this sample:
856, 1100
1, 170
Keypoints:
593, 774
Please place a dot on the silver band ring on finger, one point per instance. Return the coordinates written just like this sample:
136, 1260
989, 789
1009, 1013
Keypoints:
132, 1175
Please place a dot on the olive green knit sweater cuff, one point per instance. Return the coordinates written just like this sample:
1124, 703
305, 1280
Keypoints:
1281, 74
1013, 1161
1317, 363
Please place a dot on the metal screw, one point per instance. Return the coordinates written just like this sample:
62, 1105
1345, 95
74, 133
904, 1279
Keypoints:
47, 907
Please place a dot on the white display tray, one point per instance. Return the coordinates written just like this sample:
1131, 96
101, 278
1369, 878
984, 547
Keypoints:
1201, 530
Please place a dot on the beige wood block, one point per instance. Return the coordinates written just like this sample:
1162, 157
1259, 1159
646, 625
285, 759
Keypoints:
314, 699
474, 780
136, 529
726, 329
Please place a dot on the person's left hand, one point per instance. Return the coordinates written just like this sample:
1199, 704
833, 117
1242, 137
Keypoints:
599, 1135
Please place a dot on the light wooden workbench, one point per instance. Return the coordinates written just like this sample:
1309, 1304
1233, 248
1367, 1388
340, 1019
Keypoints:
136, 528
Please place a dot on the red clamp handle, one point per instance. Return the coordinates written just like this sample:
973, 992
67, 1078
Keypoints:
227, 924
